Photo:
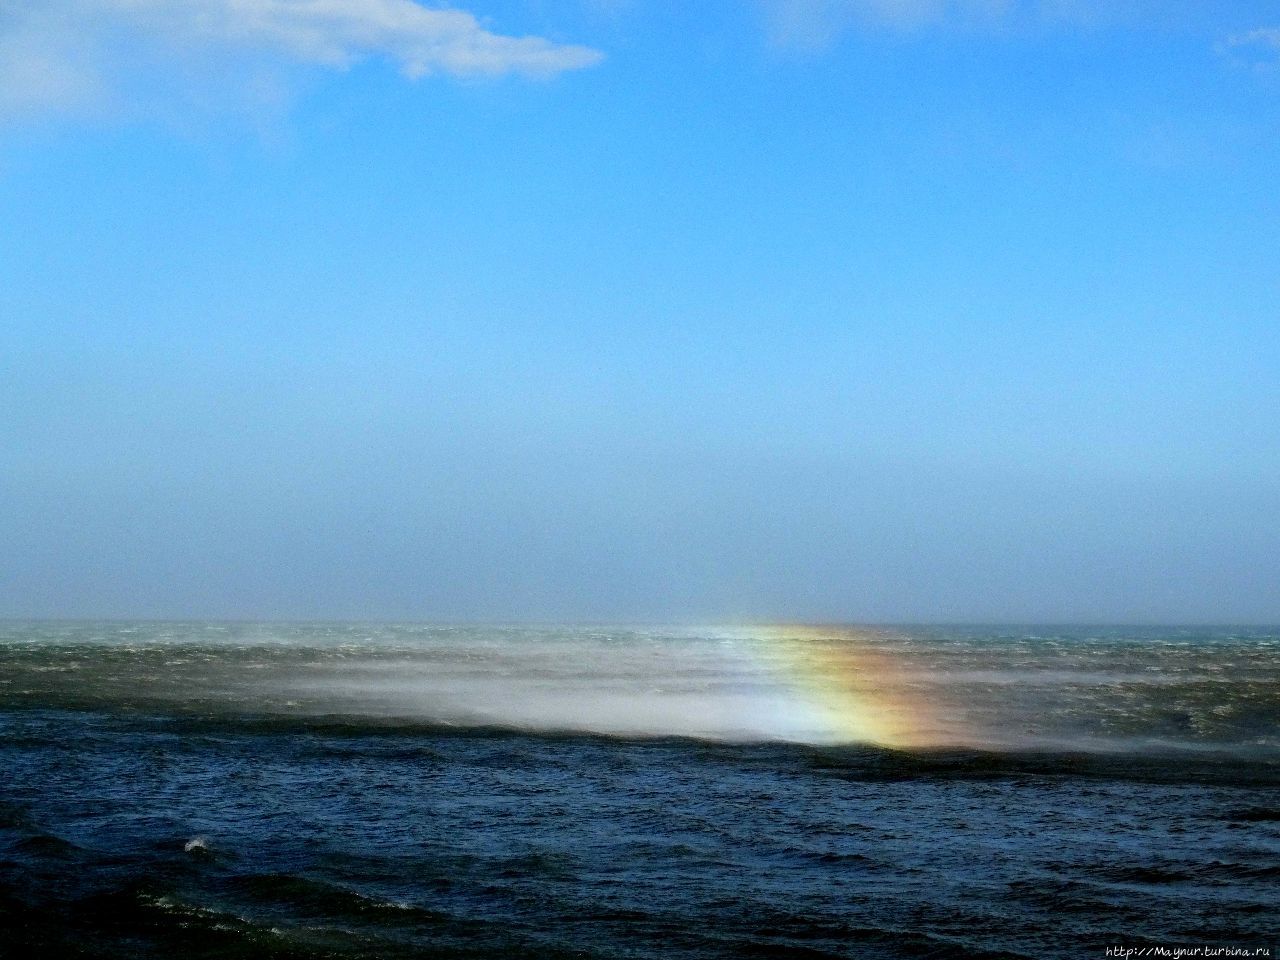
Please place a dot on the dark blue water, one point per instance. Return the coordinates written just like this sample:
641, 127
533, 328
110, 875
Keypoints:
138, 820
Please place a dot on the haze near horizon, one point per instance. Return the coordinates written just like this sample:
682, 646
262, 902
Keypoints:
841, 311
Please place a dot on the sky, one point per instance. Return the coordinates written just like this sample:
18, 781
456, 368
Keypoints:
820, 310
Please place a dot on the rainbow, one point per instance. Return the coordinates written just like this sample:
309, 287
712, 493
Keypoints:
852, 685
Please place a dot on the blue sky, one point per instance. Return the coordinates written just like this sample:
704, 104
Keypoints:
798, 309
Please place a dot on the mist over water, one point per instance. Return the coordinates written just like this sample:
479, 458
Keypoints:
1102, 689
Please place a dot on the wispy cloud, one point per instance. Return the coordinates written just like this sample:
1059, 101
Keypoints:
1256, 50
64, 53
1265, 37
816, 23
1262, 46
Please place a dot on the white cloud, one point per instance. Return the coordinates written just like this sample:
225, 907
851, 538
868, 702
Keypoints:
63, 53
1268, 38
816, 23
1258, 50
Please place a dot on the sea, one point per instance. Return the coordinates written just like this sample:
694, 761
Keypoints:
361, 790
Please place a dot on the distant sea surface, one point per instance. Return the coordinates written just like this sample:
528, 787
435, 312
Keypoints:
373, 790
